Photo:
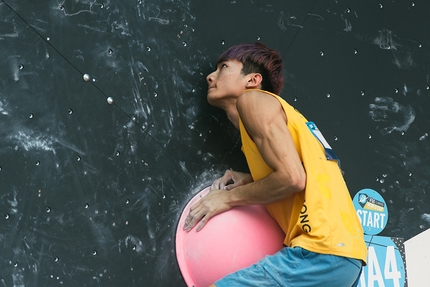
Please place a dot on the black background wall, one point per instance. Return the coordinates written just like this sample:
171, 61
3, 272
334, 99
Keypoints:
94, 173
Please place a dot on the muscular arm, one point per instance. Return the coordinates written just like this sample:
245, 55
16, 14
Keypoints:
265, 121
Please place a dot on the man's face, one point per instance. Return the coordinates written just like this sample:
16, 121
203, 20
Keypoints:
227, 81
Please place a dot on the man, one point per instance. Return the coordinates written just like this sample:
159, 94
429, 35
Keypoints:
294, 173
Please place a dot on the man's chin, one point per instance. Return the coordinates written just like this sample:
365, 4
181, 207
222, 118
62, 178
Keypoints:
212, 100
210, 97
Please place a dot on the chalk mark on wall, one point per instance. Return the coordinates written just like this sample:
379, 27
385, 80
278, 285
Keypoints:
398, 117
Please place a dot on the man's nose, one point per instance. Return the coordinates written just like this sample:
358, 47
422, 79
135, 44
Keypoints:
209, 78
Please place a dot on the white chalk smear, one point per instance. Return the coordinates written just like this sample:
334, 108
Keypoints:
284, 21
131, 242
13, 203
13, 34
348, 26
29, 140
403, 60
92, 28
316, 15
385, 40
3, 110
89, 3
160, 20
18, 278
398, 117
425, 217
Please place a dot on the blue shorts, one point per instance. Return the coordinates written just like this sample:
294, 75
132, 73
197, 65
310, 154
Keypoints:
299, 268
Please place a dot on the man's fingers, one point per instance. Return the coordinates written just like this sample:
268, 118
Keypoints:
230, 186
202, 222
193, 217
212, 204
222, 182
190, 222
218, 184
215, 185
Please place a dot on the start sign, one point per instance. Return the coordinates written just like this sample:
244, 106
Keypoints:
385, 255
371, 210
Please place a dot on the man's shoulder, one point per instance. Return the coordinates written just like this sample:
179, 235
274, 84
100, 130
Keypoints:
257, 102
257, 97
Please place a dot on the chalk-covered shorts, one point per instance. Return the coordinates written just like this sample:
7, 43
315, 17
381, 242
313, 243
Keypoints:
297, 267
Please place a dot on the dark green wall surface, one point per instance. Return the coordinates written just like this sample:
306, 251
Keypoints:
94, 174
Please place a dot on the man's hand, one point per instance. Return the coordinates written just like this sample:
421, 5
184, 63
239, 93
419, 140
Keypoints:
232, 179
215, 202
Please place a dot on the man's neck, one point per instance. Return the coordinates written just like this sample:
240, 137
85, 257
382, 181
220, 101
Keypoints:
232, 115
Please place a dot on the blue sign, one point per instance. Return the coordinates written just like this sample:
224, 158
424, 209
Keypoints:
385, 266
371, 210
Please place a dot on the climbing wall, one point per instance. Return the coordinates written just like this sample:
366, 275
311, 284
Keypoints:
105, 132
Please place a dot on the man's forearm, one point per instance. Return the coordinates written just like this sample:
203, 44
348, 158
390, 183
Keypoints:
271, 189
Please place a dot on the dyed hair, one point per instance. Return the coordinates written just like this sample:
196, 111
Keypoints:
257, 58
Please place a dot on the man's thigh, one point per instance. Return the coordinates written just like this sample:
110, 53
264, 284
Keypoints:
296, 267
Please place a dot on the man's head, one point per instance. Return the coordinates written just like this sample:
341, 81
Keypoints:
257, 58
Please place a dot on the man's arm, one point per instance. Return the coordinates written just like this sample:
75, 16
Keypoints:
265, 121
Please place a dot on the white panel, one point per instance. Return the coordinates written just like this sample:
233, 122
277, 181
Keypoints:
418, 260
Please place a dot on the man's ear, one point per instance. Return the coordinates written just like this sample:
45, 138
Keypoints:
254, 80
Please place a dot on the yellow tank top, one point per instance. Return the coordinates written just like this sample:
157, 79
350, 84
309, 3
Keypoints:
322, 218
